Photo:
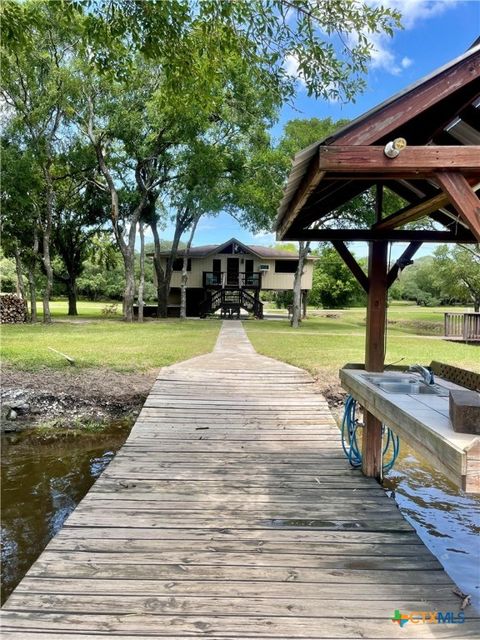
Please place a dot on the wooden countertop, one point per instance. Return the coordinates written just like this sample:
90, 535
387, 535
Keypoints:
423, 422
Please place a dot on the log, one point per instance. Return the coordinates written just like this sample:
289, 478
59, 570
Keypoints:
13, 309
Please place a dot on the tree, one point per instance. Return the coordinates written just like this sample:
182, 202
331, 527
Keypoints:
143, 64
328, 41
21, 199
78, 217
458, 273
333, 286
34, 90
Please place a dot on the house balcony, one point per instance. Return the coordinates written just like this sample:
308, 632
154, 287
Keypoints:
232, 280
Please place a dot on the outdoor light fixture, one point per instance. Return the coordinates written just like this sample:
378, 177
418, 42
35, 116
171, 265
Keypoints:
392, 149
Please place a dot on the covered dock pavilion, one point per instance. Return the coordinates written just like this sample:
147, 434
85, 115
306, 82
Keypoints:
423, 145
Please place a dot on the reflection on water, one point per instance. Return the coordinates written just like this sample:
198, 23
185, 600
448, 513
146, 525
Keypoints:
41, 486
445, 518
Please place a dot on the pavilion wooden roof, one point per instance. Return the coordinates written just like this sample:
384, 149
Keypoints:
437, 174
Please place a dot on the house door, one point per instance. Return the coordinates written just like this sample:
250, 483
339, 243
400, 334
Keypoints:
217, 272
249, 273
232, 271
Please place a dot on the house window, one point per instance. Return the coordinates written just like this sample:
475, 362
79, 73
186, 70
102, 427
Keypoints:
178, 264
286, 266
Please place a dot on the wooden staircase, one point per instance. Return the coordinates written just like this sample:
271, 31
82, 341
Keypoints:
229, 302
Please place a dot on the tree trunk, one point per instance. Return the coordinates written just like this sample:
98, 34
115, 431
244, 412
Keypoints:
141, 284
19, 269
183, 292
31, 277
72, 297
476, 305
33, 296
46, 259
47, 263
164, 277
303, 248
129, 291
304, 304
159, 273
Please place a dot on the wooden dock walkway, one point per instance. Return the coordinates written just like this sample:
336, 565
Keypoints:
231, 512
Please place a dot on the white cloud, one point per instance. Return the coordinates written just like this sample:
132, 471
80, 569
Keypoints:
291, 67
206, 224
264, 236
412, 11
382, 57
415, 10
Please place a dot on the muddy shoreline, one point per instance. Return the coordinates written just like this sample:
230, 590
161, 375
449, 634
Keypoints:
48, 403
51, 404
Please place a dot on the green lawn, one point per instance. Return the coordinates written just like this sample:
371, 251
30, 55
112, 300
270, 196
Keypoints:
321, 342
98, 342
329, 343
86, 309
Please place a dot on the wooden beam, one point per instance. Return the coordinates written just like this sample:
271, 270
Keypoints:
460, 235
379, 176
412, 193
406, 113
308, 184
351, 263
424, 207
375, 352
406, 256
463, 198
327, 198
414, 160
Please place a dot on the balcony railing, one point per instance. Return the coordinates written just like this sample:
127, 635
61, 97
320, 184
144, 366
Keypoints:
234, 279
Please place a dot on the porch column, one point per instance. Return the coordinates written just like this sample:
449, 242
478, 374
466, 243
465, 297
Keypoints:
375, 351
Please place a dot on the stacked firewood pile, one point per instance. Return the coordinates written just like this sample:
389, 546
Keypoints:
12, 309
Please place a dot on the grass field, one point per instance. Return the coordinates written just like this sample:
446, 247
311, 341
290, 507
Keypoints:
320, 343
94, 341
329, 342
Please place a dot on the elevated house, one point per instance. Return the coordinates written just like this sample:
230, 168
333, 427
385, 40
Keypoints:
230, 276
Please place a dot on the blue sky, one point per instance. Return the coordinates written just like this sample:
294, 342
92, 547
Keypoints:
434, 33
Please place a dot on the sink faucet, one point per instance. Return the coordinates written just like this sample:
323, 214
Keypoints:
426, 373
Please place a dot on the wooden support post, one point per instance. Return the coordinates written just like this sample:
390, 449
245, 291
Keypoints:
351, 263
375, 351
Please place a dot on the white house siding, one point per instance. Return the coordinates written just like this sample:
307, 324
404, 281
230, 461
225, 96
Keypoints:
270, 279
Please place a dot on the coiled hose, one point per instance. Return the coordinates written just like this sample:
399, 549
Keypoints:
351, 448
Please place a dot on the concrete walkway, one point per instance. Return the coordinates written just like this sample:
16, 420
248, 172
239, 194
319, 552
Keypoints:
231, 512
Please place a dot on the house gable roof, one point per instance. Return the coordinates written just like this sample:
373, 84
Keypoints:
258, 251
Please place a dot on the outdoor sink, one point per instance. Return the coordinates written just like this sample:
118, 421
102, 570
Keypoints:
406, 384
380, 378
413, 388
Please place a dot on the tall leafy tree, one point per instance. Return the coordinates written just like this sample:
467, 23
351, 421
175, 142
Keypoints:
457, 270
35, 92
22, 196
162, 74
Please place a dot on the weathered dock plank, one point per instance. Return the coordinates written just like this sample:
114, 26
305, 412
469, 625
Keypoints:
231, 512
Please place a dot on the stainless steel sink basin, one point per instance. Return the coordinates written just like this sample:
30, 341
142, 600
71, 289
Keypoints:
380, 378
406, 384
413, 388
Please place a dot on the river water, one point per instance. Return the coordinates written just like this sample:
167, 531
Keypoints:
42, 484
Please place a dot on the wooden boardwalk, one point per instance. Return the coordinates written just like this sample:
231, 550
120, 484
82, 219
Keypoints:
231, 512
